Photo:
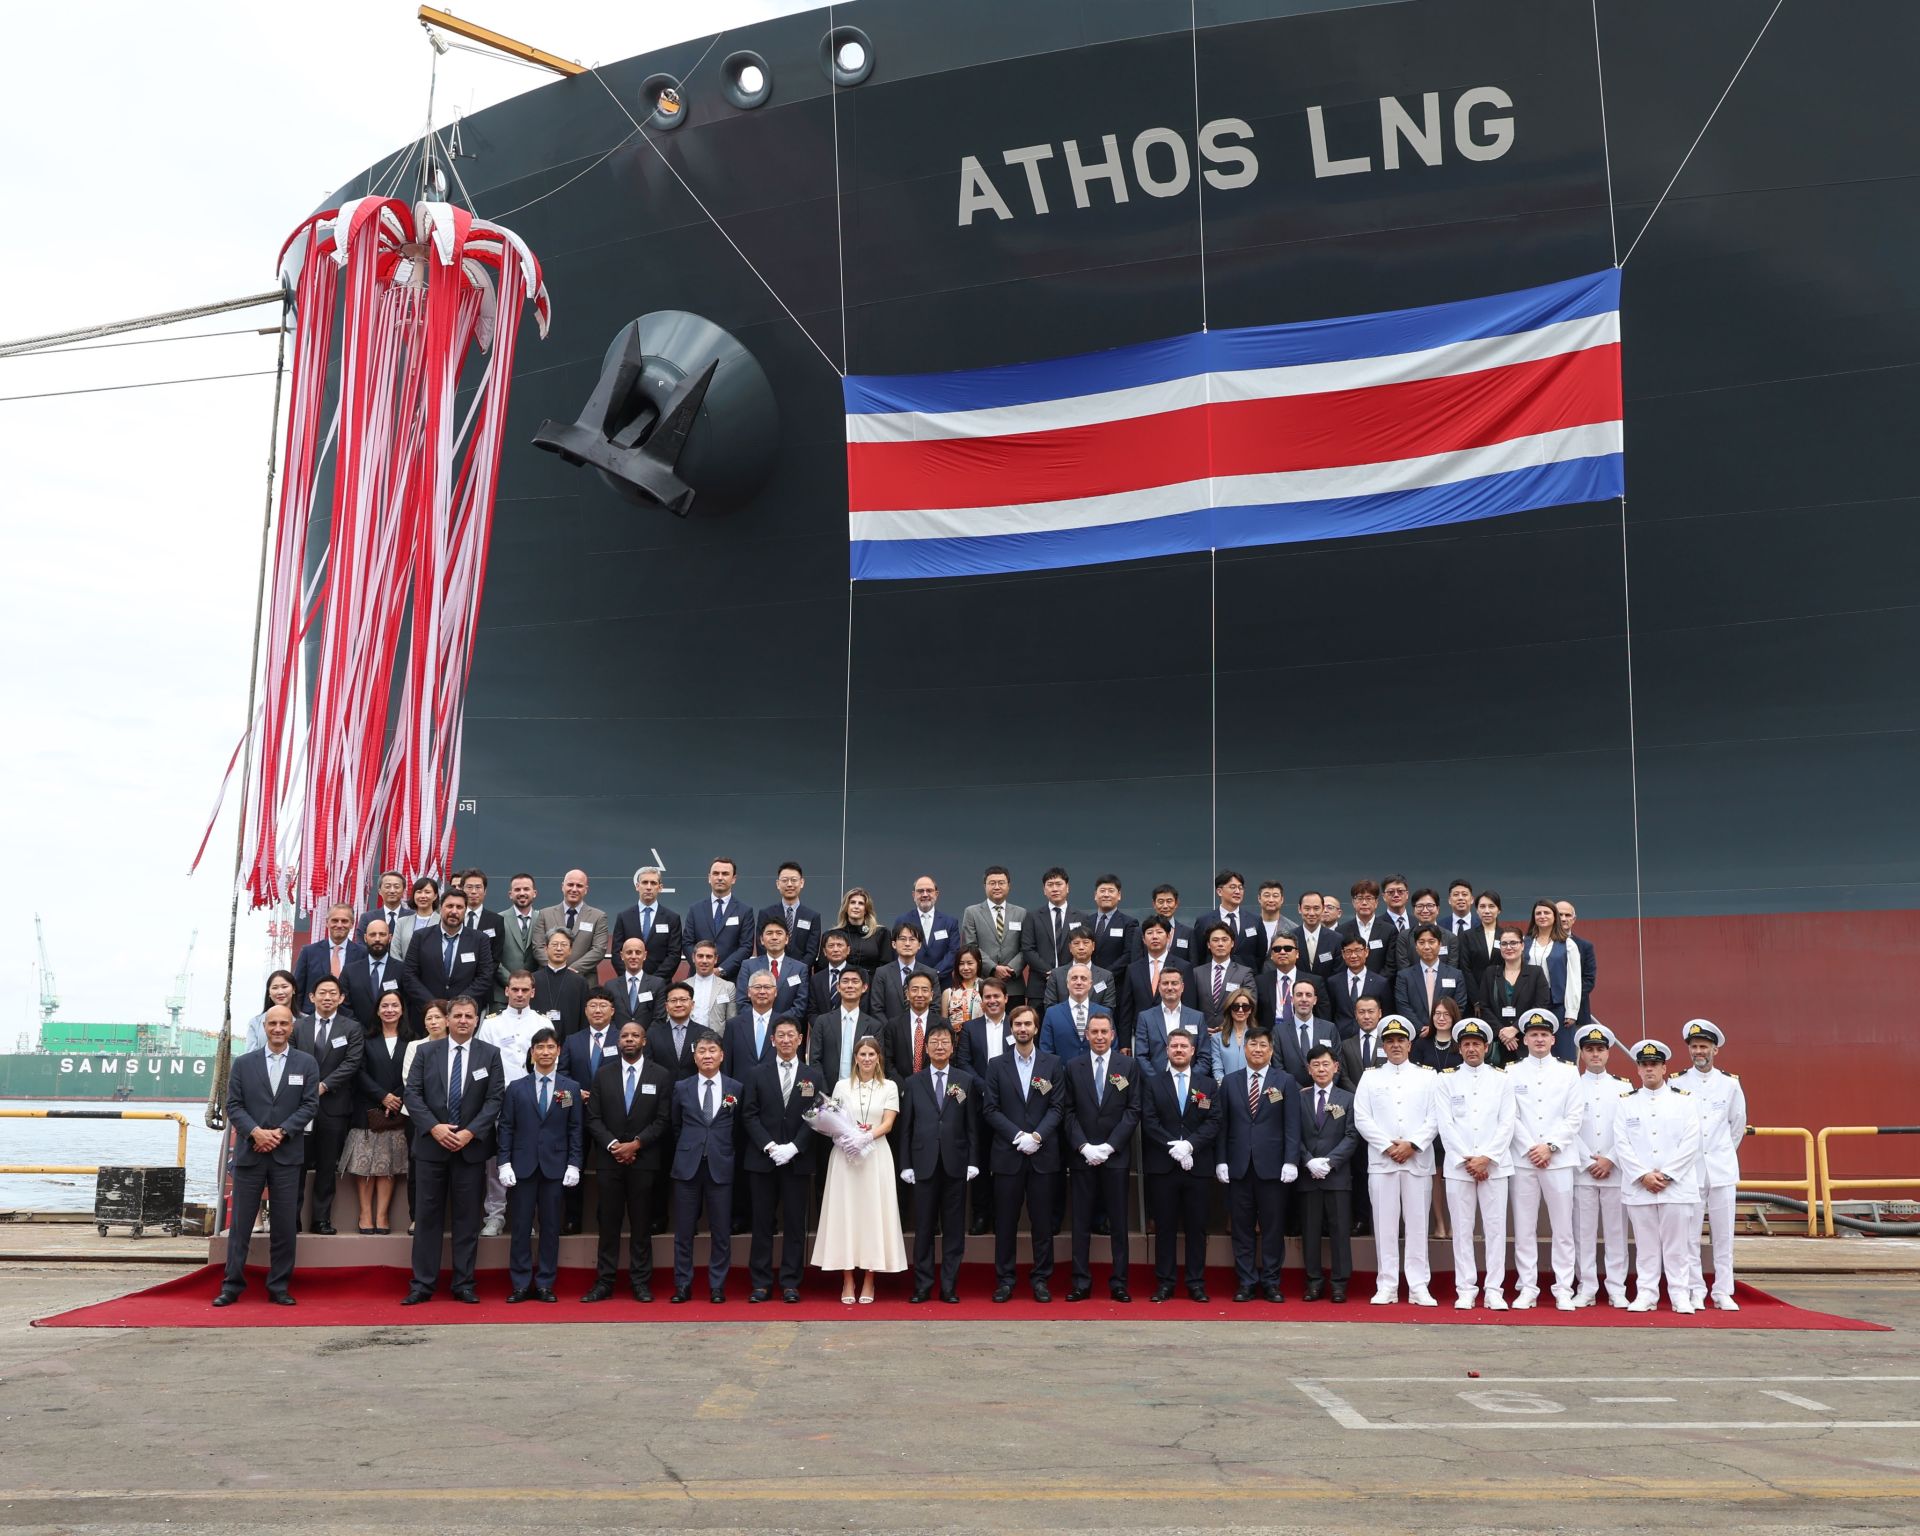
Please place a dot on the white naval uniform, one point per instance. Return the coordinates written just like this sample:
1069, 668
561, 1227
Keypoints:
1597, 1212
1476, 1120
1657, 1130
511, 1031
1399, 1103
1547, 1106
1722, 1106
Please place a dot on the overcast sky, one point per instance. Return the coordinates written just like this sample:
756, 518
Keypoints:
155, 158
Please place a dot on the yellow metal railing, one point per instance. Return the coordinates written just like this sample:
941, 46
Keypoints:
1808, 1189
179, 1156
1829, 1183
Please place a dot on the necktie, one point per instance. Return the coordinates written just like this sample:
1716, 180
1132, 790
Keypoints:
717, 914
546, 1092
1058, 923
1366, 1054
940, 1089
833, 981
759, 1036
1080, 1020
599, 1036
1099, 1079
1180, 1090
379, 974
707, 1091
646, 924
276, 1064
1153, 977
679, 1039
1219, 984
919, 1042
1306, 1032
1000, 924
1353, 985
1320, 1107
786, 1081
789, 912
1429, 989
633, 994
526, 925
457, 1083
631, 1075
573, 914
446, 955
1253, 1093
337, 953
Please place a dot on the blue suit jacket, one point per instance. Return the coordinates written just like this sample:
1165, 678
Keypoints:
479, 1106
697, 1139
741, 1058
530, 1145
1059, 1038
936, 954
1150, 1040
577, 1059
316, 960
1267, 1138
252, 1105
791, 1001
732, 937
803, 937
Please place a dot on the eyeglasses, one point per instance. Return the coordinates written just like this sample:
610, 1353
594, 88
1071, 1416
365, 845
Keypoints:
1239, 1008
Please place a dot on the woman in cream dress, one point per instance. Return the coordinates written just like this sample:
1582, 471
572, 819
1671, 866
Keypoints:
860, 1213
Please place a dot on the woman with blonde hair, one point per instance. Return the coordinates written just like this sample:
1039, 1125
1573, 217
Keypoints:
870, 944
860, 1214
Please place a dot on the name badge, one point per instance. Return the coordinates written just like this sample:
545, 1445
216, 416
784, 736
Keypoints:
734, 921
1073, 927
1523, 1087
1507, 1013
1447, 982
477, 1073
663, 925
609, 1050
338, 1040
492, 933
586, 927
554, 1014
1099, 986
1179, 943
389, 986
298, 1079
1375, 944
804, 924
938, 934
1116, 933
467, 956
644, 997
647, 1088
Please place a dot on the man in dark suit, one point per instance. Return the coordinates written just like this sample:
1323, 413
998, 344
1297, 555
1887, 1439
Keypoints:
670, 1040
1116, 937
748, 1040
1417, 987
1303, 1028
833, 1035
629, 1118
788, 974
1024, 1102
723, 918
887, 990
1103, 1107
334, 955
1139, 988
1079, 952
1044, 930
1362, 1050
336, 1042
659, 929
1330, 1145
1180, 1122
582, 1054
939, 931
389, 902
823, 988
454, 1091
1426, 913
705, 1107
804, 927
1273, 988
1356, 979
1216, 974
1319, 945
559, 991
777, 1153
272, 1096
1257, 1157
447, 961
1375, 931
1166, 904
636, 990
483, 919
1269, 924
940, 1146
376, 973
1063, 1031
540, 1139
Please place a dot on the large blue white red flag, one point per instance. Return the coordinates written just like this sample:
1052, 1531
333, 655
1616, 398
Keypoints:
1270, 435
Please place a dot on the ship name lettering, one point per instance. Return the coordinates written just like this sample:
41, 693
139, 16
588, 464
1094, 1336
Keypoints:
1157, 162
1482, 122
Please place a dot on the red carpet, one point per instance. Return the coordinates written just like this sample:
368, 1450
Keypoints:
370, 1297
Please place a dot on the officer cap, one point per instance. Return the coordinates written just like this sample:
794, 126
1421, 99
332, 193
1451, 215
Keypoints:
1539, 1018
1471, 1029
1597, 1034
1647, 1052
1393, 1025
1703, 1029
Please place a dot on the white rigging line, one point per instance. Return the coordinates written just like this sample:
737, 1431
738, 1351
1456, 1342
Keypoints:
1633, 769
597, 162
846, 742
1606, 148
1199, 178
839, 233
674, 172
1661, 202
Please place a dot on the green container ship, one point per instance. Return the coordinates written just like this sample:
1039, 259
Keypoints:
119, 1063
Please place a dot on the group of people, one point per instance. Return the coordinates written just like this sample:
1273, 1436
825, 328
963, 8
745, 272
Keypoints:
751, 1065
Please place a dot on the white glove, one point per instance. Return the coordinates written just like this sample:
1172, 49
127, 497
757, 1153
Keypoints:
1319, 1167
507, 1177
786, 1152
849, 1143
1289, 1173
1182, 1152
906, 1175
1220, 1172
1186, 1164
972, 1173
1027, 1142
570, 1178
1093, 1155
1106, 1150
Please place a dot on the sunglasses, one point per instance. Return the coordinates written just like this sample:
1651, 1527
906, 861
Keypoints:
1239, 1008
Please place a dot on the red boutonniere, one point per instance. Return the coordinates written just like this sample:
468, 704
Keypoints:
1041, 1085
957, 1094
563, 1098
806, 1089
1115, 1080
728, 1102
1201, 1101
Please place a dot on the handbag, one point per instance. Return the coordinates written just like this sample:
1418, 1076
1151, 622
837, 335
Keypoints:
379, 1120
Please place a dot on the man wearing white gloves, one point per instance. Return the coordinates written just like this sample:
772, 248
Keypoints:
1722, 1106
1258, 1156
778, 1155
541, 1129
1180, 1125
1476, 1117
1396, 1108
940, 1155
1025, 1096
510, 1031
1597, 1212
1547, 1106
1330, 1142
1103, 1107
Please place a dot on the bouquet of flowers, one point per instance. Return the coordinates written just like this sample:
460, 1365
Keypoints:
829, 1119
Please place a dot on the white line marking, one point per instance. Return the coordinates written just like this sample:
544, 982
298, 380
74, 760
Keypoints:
1560, 1424
1633, 1399
1338, 1408
1799, 1402
1651, 1381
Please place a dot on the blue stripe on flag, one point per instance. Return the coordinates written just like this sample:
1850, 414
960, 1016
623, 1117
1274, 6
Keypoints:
1265, 346
1600, 478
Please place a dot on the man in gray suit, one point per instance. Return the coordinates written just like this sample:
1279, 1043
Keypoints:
585, 925
993, 927
271, 1098
516, 951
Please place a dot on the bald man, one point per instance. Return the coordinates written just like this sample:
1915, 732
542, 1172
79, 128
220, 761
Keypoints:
585, 925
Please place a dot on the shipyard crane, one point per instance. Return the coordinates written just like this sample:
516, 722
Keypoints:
49, 990
177, 1002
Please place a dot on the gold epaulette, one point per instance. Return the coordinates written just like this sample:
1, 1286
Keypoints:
1445, 1070
1685, 1093
1629, 1093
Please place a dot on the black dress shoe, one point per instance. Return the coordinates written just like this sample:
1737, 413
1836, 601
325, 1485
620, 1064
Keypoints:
1040, 1291
1243, 1293
325, 1229
571, 1229
682, 1293
1080, 1293
978, 1227
1273, 1293
415, 1298
544, 1293
465, 1293
920, 1294
1339, 1291
1197, 1293
951, 1298
718, 1298
599, 1293
1314, 1291
1101, 1226
1120, 1294
1003, 1291
1163, 1291
791, 1297
282, 1300
226, 1298
525, 1293
760, 1293
643, 1292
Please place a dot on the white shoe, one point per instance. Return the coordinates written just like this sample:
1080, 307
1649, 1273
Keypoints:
1524, 1300
1617, 1299
1563, 1302
496, 1226
1385, 1298
1584, 1299
1464, 1301
1699, 1300
1640, 1304
1496, 1302
1686, 1308
1420, 1296
1726, 1304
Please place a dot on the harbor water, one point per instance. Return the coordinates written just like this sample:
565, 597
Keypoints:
109, 1143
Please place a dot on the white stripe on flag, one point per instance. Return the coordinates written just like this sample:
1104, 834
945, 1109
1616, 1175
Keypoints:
1302, 485
1243, 384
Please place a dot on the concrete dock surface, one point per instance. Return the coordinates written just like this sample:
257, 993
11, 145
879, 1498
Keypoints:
1274, 1425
